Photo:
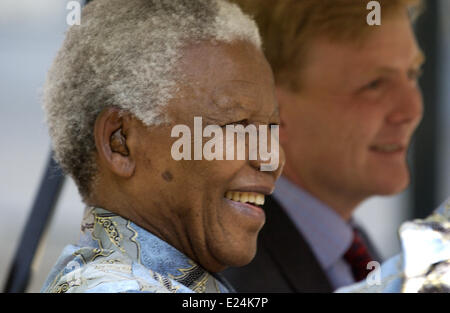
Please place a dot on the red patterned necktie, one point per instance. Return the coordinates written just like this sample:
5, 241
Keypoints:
357, 257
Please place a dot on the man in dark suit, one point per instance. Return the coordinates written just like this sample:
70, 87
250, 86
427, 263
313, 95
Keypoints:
349, 104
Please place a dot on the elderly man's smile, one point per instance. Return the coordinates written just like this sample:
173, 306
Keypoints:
244, 197
247, 204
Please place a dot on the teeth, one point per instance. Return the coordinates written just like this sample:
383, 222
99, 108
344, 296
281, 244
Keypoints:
387, 148
251, 197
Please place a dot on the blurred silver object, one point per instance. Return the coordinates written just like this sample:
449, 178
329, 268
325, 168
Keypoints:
426, 251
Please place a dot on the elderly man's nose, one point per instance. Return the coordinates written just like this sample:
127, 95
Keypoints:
279, 162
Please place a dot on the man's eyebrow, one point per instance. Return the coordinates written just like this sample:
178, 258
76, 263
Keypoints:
417, 62
241, 81
227, 104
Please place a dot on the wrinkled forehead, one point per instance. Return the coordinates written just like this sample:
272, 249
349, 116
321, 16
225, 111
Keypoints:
224, 77
221, 61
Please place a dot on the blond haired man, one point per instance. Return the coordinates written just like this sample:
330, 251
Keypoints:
349, 104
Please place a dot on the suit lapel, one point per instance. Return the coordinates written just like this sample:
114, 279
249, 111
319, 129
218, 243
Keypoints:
291, 252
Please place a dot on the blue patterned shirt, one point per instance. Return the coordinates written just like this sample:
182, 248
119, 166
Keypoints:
116, 255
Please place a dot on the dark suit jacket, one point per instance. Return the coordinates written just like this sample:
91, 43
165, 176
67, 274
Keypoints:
284, 261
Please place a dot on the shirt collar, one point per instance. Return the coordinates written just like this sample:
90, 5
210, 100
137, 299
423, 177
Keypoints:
328, 235
110, 232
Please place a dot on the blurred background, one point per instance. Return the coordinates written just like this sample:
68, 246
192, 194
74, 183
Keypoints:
30, 34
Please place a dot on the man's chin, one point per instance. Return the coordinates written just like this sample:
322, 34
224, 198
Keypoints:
392, 187
240, 263
238, 257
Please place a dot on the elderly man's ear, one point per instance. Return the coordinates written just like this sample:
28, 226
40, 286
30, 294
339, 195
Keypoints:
110, 131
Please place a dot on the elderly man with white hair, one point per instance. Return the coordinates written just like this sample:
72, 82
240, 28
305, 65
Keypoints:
122, 80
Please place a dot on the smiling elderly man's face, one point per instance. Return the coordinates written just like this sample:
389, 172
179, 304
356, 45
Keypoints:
183, 202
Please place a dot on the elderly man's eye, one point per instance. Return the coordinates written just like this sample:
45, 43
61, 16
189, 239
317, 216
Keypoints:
243, 122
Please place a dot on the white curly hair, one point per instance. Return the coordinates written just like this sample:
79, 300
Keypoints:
123, 55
